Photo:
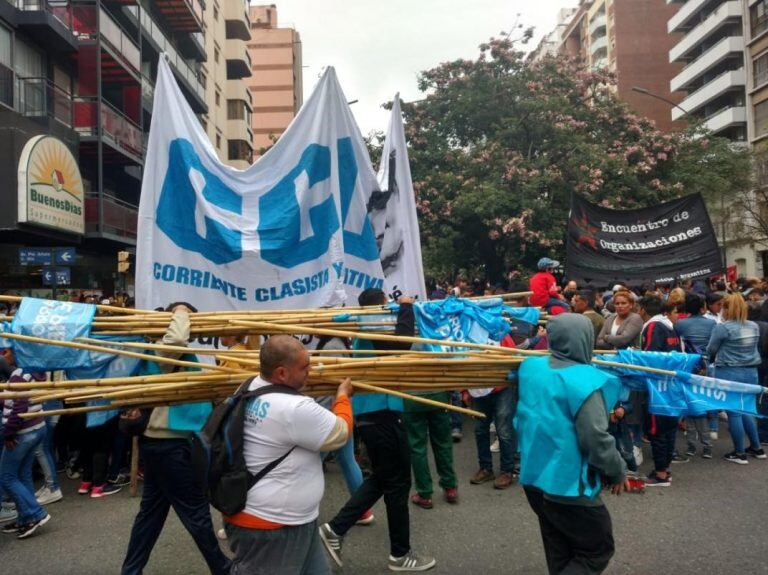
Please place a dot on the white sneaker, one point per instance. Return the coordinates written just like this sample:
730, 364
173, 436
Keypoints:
493, 427
638, 453
7, 513
221, 534
46, 496
713, 435
495, 446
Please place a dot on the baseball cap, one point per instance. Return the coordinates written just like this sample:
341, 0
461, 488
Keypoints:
617, 287
545, 263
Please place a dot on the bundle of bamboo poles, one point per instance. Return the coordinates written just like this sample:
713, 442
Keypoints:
116, 321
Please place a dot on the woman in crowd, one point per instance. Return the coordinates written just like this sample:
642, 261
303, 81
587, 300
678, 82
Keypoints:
733, 350
621, 329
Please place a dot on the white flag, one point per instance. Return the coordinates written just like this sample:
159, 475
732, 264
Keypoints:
393, 215
290, 231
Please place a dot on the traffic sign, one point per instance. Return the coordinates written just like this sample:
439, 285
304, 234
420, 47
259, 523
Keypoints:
56, 276
35, 256
64, 256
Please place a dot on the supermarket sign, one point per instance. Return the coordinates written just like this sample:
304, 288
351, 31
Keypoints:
50, 186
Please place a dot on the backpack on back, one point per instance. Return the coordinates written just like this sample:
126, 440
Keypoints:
217, 451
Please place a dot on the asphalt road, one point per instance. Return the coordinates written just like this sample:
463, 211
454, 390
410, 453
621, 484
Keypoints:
712, 520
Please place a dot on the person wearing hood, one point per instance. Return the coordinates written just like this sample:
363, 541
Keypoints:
566, 450
21, 437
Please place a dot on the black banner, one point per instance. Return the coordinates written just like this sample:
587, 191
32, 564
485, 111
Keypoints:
661, 244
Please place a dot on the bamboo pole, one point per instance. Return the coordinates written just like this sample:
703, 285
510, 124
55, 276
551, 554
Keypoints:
102, 349
417, 399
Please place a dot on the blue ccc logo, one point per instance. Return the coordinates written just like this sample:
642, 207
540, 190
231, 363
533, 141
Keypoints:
280, 217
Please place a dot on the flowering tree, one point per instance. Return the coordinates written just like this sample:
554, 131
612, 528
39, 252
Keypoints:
498, 145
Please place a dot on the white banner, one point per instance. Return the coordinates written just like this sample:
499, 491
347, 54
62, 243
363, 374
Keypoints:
393, 215
291, 231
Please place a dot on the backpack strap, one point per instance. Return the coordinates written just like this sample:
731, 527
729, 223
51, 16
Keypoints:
243, 394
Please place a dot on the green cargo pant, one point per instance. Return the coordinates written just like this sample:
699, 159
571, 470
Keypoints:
433, 426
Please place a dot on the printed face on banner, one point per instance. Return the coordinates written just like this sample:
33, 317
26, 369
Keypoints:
289, 232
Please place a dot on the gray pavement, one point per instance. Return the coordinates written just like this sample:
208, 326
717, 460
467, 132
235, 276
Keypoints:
713, 520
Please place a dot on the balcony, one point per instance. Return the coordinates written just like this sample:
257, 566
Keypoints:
727, 13
239, 154
726, 118
122, 134
686, 17
192, 46
725, 82
147, 93
88, 24
598, 45
120, 219
238, 59
6, 86
727, 47
41, 98
237, 20
238, 90
185, 74
183, 15
598, 22
48, 22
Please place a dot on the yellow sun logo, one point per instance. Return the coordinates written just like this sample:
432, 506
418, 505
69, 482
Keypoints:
52, 164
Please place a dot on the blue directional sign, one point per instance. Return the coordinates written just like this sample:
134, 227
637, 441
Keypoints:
35, 256
56, 276
64, 256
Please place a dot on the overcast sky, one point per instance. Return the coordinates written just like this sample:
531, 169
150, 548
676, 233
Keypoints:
378, 47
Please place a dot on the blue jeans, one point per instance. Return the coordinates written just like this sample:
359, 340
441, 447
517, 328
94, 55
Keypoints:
498, 408
738, 424
16, 475
345, 457
46, 456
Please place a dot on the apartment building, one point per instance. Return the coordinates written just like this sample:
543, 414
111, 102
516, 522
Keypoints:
629, 38
76, 93
276, 84
550, 44
711, 46
225, 73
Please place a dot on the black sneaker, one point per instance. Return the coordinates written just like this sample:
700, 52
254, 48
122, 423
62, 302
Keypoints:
12, 528
740, 458
757, 453
332, 543
690, 450
28, 529
654, 480
707, 453
121, 480
677, 458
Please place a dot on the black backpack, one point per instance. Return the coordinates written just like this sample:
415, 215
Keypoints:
217, 451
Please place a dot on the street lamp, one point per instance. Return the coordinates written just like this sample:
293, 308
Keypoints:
647, 92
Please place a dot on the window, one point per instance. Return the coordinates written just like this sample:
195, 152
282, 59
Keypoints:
215, 12
6, 73
204, 122
760, 70
216, 54
758, 17
218, 98
218, 141
761, 119
237, 110
203, 79
239, 150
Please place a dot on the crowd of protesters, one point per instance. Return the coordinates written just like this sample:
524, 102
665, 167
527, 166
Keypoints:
727, 324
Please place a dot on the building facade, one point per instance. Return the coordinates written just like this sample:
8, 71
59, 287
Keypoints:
630, 39
76, 94
276, 84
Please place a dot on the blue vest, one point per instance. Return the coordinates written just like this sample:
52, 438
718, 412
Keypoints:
370, 402
187, 416
549, 401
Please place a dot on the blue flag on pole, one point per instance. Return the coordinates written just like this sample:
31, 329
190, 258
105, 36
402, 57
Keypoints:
460, 319
52, 320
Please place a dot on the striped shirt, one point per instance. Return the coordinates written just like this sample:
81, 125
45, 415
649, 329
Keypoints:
13, 424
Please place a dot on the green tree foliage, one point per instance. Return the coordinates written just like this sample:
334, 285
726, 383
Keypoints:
497, 145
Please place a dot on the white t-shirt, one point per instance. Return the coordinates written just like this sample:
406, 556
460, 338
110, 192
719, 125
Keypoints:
290, 494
